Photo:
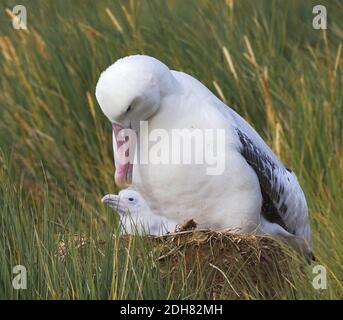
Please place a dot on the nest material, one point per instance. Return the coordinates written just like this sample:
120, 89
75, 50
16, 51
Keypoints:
227, 264
231, 263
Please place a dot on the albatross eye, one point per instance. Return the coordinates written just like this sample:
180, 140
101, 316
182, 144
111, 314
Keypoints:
131, 199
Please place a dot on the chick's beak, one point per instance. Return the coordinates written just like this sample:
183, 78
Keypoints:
112, 200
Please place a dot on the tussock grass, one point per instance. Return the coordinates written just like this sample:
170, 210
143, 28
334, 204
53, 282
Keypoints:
263, 58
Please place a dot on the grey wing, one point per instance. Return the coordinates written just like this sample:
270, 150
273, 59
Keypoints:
284, 202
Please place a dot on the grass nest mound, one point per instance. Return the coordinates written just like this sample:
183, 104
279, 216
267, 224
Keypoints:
227, 264
221, 265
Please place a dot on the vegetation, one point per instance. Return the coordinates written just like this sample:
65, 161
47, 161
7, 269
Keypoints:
263, 58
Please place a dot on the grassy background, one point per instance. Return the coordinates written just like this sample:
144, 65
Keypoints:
261, 57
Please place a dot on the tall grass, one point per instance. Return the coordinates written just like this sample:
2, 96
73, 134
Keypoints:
263, 58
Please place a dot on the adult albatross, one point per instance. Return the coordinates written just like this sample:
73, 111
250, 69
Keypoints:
254, 193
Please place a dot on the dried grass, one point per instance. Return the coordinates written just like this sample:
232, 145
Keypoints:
226, 264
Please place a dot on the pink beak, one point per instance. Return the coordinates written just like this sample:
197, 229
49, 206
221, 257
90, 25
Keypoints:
123, 155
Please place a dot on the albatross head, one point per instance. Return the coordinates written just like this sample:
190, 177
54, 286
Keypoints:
130, 91
127, 201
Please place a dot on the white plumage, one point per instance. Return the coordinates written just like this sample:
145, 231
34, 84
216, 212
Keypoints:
255, 193
136, 216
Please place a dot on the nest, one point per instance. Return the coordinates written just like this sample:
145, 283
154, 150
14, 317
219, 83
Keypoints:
229, 265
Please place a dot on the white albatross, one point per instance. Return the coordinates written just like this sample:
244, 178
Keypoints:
136, 216
255, 193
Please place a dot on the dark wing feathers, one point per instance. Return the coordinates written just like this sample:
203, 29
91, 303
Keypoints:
274, 205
